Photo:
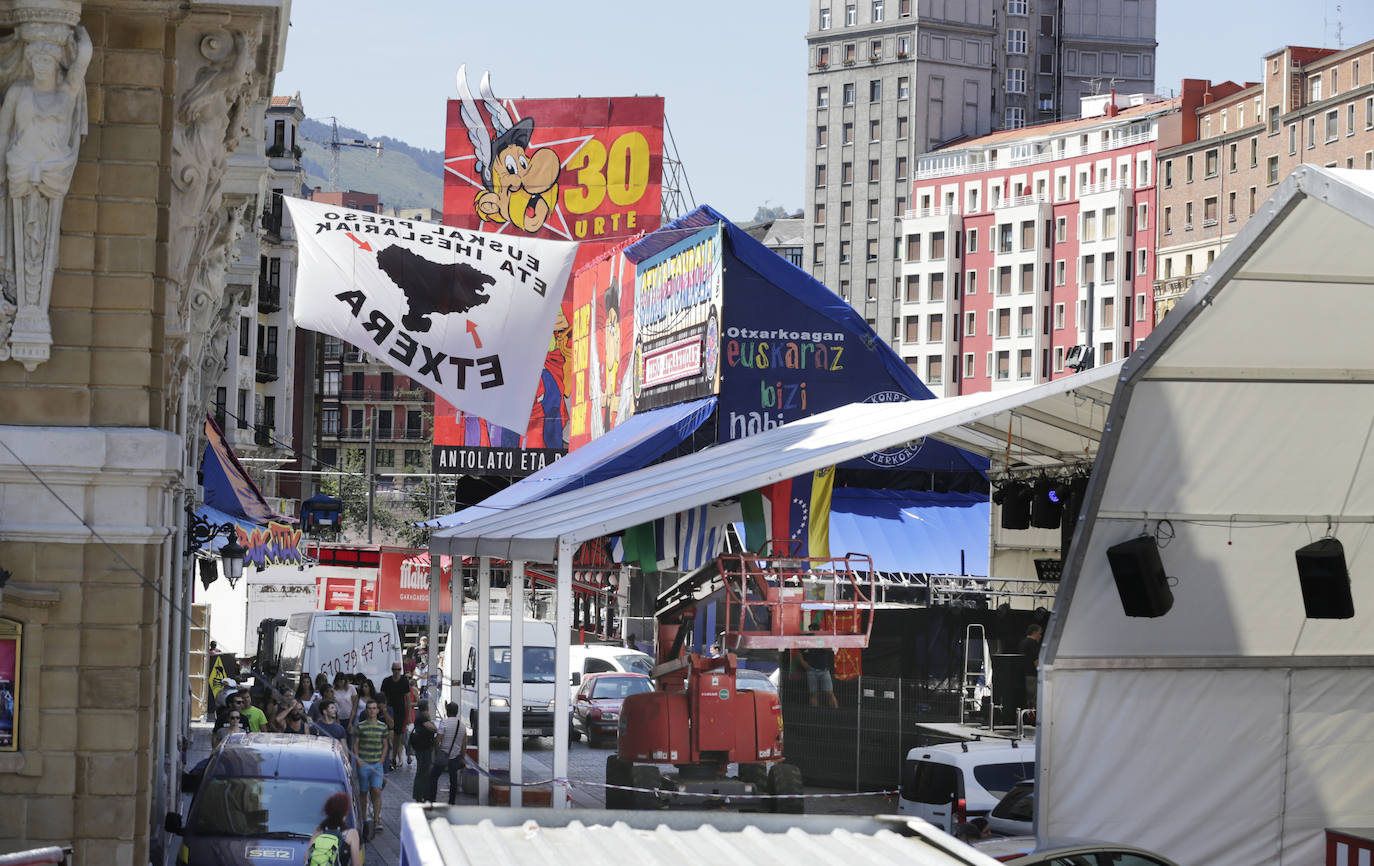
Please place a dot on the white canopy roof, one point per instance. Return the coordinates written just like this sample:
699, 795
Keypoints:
1231, 730
1049, 424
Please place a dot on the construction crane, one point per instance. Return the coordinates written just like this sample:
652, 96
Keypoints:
335, 144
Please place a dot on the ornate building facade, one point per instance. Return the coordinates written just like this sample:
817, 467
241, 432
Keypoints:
124, 209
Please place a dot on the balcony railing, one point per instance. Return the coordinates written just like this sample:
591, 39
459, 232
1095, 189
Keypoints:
353, 431
262, 434
354, 356
1105, 186
923, 212
1173, 287
383, 395
333, 351
412, 434
271, 223
267, 367
963, 165
269, 298
1022, 200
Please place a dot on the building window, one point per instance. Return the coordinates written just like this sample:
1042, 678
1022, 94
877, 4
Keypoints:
972, 241
1018, 7
913, 329
1188, 169
1333, 124
850, 53
846, 172
1003, 323
1061, 230
968, 365
825, 19
818, 254
902, 124
1026, 322
245, 335
1089, 230
875, 90
846, 133
1311, 132
1187, 216
877, 11
971, 283
1003, 366
1231, 161
1087, 272
875, 129
935, 328
844, 252
937, 288
970, 323
822, 97
1015, 118
1016, 81
937, 246
820, 175
1254, 152
1369, 112
851, 15
823, 55
935, 369
1027, 234
874, 171
903, 47
1004, 280
1314, 88
1109, 267
1274, 120
901, 168
903, 87
1231, 207
822, 136
871, 290
1004, 238
1059, 317
820, 214
872, 209
904, 8
1273, 170
1350, 119
1142, 261
873, 257
849, 93
875, 49
1209, 211
1141, 308
1016, 41
1168, 174
1061, 269
1168, 220
913, 248
1142, 217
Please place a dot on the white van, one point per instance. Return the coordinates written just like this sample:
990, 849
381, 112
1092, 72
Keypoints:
597, 658
953, 782
340, 641
539, 676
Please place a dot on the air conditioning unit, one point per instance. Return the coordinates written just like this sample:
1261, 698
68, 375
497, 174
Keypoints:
1079, 358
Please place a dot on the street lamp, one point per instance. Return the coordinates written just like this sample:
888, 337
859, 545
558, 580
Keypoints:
200, 530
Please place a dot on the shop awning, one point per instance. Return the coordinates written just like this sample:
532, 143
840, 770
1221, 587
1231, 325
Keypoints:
912, 530
632, 445
1044, 425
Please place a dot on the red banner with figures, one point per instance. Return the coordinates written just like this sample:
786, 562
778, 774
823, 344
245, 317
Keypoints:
403, 581
603, 381
583, 169
849, 661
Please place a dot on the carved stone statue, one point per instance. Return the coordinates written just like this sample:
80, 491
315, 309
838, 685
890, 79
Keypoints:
42, 122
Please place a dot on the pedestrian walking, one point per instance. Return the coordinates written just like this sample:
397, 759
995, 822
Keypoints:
329, 724
371, 748
449, 754
396, 690
332, 841
421, 741
346, 696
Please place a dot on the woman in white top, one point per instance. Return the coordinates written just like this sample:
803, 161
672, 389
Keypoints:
345, 698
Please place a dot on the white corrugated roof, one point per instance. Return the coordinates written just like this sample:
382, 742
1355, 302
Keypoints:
1044, 425
544, 837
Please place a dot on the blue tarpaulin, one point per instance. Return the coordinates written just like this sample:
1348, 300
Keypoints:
912, 531
642, 439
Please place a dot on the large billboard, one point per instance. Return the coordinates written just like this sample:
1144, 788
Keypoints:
604, 375
580, 169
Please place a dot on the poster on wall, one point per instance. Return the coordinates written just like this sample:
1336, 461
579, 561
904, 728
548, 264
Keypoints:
604, 374
677, 321
584, 169
11, 642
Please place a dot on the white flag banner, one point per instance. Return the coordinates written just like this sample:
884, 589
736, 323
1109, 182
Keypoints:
466, 314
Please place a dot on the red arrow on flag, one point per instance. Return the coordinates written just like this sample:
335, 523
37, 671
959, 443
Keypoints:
362, 245
472, 329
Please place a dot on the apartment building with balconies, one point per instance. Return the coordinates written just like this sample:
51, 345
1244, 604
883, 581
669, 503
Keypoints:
1028, 248
254, 400
1231, 145
890, 80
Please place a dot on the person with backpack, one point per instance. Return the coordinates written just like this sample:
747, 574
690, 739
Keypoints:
421, 742
450, 753
334, 843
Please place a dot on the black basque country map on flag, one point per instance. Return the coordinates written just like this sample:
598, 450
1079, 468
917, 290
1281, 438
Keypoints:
461, 312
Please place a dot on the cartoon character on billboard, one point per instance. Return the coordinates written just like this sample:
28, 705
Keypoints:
615, 387
520, 184
548, 426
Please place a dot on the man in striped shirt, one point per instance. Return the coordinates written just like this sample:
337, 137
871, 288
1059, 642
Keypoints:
371, 745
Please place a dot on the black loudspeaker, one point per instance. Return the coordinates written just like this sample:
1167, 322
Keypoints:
1140, 577
209, 571
1016, 506
1047, 510
1325, 580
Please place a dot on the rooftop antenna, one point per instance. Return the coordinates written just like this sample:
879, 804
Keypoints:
1096, 85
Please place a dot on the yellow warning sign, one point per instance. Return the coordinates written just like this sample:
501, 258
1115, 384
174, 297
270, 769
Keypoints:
217, 676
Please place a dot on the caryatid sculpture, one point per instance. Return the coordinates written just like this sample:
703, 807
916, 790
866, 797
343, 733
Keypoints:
42, 122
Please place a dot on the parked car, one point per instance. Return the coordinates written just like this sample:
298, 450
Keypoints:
260, 797
1014, 814
953, 782
595, 658
596, 707
1022, 851
754, 681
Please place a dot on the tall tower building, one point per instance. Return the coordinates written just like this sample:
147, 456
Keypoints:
890, 80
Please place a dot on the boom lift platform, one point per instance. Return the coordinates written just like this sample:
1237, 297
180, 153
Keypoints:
696, 719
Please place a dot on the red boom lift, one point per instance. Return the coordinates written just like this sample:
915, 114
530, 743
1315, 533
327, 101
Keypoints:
696, 719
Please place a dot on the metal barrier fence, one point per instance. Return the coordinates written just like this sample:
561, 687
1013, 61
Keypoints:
862, 743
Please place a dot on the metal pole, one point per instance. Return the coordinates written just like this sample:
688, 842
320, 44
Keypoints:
371, 467
562, 624
482, 683
858, 731
517, 680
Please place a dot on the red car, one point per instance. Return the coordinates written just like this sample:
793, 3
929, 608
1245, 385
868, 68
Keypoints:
596, 707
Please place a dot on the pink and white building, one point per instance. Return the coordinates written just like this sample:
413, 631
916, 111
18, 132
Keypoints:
1027, 247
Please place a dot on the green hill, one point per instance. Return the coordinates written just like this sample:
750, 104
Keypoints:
403, 176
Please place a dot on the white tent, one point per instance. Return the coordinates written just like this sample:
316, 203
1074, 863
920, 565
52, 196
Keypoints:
1046, 425
1231, 730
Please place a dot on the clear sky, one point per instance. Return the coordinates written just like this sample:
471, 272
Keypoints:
732, 73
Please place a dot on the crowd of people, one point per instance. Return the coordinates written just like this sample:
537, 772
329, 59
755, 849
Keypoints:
380, 726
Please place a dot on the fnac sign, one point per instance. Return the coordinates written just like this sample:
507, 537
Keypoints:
583, 169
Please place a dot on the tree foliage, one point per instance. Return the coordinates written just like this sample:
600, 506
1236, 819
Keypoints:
393, 510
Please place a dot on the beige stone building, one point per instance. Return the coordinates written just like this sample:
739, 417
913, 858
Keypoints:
124, 209
1233, 143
